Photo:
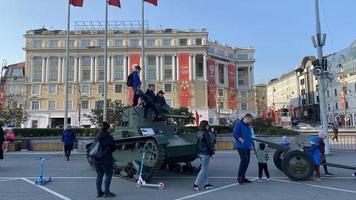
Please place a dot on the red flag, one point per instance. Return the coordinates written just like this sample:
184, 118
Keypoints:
154, 2
115, 3
78, 3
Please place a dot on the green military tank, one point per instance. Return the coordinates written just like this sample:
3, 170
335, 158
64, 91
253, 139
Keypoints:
164, 146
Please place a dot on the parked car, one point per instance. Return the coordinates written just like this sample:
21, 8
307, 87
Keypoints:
7, 127
304, 126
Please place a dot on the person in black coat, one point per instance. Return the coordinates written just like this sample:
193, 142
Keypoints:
161, 101
104, 165
2, 140
68, 139
150, 99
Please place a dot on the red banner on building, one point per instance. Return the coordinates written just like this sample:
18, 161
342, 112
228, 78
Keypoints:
232, 86
134, 59
342, 99
184, 87
211, 84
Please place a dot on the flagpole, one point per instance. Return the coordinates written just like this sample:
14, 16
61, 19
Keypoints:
66, 71
143, 47
105, 113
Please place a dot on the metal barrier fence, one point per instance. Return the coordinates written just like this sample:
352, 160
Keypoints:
345, 142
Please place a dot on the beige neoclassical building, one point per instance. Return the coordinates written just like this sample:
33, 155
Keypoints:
208, 77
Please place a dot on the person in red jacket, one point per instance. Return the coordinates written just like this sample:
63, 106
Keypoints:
321, 137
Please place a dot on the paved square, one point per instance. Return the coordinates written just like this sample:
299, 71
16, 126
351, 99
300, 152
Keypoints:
76, 180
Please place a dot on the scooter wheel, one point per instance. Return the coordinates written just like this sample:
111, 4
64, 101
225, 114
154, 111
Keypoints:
161, 186
138, 184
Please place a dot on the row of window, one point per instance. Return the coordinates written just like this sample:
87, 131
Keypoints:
84, 104
85, 43
86, 88
344, 88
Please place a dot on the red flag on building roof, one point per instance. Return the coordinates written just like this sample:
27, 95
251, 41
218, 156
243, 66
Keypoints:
115, 3
78, 3
154, 2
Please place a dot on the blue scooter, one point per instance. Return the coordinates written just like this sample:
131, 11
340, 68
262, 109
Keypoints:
41, 180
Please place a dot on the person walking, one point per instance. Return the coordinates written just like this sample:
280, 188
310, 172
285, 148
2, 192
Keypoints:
321, 138
2, 140
243, 143
262, 158
10, 137
336, 132
68, 139
104, 165
205, 152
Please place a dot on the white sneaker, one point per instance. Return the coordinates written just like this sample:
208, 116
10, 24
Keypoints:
268, 179
259, 180
354, 174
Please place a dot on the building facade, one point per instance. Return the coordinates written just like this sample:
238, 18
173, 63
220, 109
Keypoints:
282, 97
261, 99
203, 75
13, 87
341, 91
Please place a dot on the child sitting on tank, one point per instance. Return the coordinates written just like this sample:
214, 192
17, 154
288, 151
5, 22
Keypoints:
149, 102
314, 151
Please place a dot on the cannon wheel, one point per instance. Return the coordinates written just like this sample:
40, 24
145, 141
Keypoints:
277, 159
298, 166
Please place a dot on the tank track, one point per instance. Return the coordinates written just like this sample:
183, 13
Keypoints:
146, 175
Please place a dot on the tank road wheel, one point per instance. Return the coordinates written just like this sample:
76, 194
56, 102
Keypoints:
298, 166
153, 159
277, 159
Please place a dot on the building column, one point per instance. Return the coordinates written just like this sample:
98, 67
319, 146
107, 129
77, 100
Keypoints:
108, 71
194, 67
226, 75
60, 68
43, 69
237, 77
205, 75
177, 68
161, 68
92, 69
30, 69
79, 73
157, 69
173, 68
248, 77
190, 68
63, 69
252, 76
47, 69
75, 69
96, 74
126, 71
112, 58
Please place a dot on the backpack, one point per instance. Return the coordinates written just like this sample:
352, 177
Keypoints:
96, 150
129, 82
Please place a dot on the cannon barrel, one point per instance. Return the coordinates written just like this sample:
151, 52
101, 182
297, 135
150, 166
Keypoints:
273, 145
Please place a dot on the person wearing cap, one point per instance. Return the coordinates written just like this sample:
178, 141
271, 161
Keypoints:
321, 137
149, 102
160, 100
136, 81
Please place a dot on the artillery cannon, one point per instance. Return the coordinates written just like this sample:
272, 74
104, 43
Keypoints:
293, 161
158, 137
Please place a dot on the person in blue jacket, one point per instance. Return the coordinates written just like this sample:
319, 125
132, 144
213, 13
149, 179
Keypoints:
243, 143
68, 139
136, 84
314, 151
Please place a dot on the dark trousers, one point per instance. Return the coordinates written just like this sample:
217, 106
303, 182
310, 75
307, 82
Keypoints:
244, 161
148, 106
135, 97
101, 169
323, 161
67, 149
262, 167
